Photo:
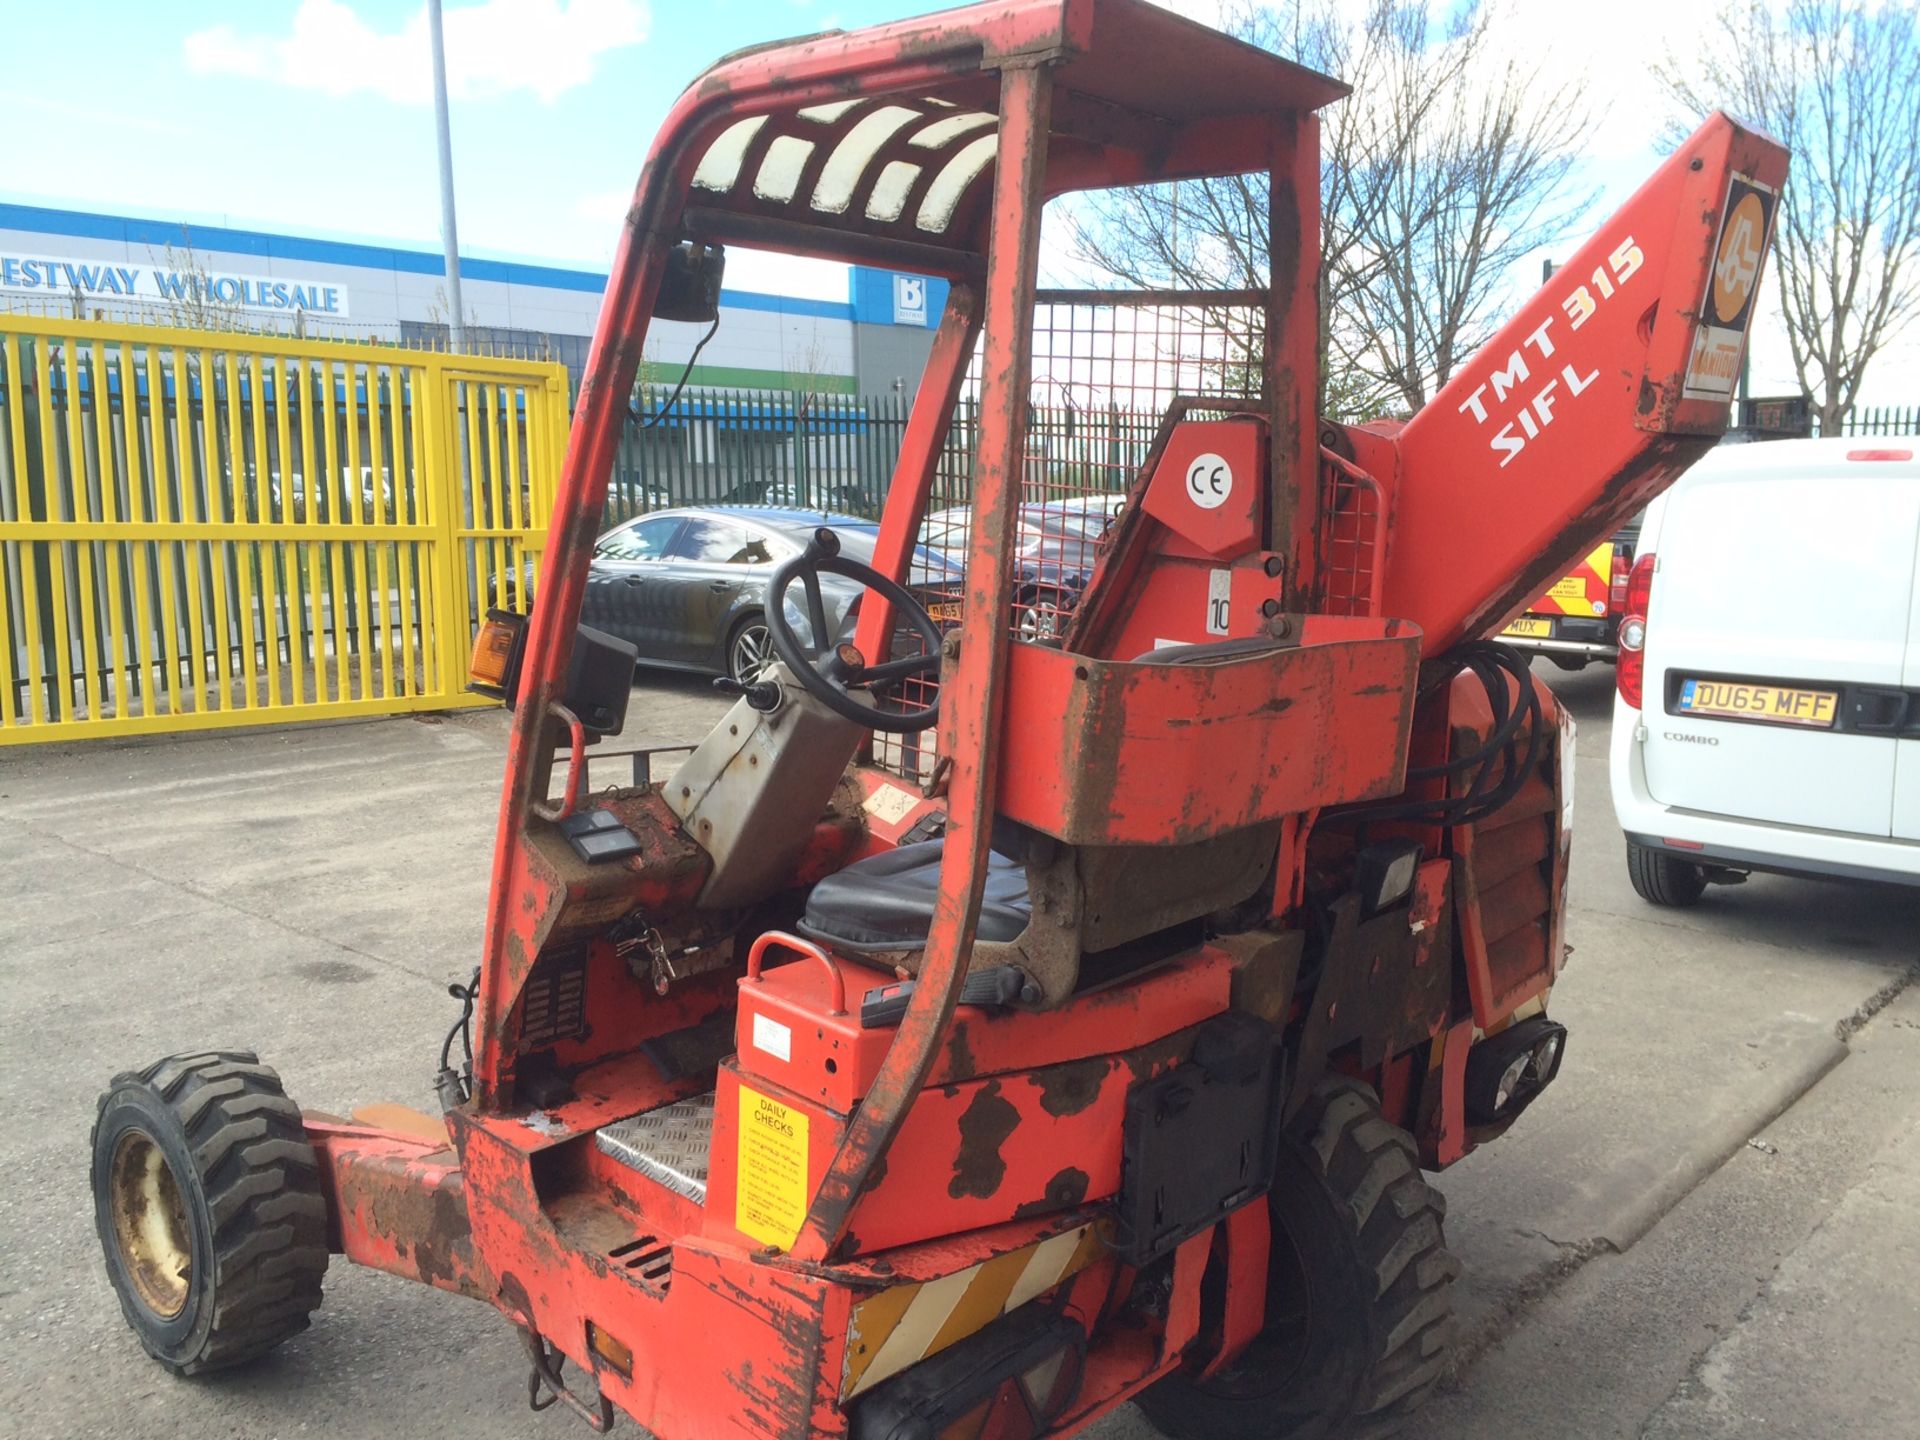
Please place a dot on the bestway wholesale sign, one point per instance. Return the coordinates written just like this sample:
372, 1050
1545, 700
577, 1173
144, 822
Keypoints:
99, 280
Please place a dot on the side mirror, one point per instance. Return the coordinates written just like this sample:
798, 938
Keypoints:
599, 676
600, 680
690, 288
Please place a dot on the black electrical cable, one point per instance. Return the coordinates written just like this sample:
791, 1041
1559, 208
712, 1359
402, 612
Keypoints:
1492, 665
453, 1088
1497, 775
463, 1027
685, 375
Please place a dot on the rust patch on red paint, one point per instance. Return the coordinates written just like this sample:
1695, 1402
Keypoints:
960, 1062
1069, 1089
443, 1251
984, 1128
1064, 1190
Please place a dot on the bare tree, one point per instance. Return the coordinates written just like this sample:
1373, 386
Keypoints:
1446, 166
1838, 81
192, 303
439, 311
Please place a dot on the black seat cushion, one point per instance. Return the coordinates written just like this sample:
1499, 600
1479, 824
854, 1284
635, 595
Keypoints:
885, 902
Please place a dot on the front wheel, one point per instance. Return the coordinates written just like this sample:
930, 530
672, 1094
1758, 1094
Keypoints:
1359, 1322
207, 1200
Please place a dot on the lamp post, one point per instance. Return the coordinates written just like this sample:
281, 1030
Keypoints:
449, 231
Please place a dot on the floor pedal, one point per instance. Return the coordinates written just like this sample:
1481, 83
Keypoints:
668, 1145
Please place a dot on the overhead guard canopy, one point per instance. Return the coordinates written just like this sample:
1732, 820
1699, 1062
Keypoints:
1139, 94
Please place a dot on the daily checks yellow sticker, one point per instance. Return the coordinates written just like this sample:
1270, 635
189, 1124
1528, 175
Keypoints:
771, 1196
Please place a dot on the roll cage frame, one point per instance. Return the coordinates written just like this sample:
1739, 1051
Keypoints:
1082, 94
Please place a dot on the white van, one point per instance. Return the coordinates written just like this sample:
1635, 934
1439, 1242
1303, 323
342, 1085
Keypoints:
1768, 707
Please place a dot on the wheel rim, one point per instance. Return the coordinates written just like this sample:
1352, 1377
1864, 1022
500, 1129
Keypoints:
150, 1224
750, 648
1272, 1362
1039, 622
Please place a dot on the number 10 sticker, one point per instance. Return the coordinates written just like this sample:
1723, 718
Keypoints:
1209, 481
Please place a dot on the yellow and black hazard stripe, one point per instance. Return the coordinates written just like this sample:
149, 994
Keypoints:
903, 1325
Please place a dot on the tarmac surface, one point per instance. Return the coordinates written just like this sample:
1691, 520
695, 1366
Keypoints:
1709, 1226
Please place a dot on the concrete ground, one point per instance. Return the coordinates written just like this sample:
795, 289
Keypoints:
1707, 1228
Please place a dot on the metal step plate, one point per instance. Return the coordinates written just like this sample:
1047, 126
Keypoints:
668, 1145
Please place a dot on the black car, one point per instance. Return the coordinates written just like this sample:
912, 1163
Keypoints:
688, 587
1061, 540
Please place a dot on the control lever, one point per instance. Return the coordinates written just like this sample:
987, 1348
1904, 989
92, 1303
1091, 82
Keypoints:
762, 695
998, 986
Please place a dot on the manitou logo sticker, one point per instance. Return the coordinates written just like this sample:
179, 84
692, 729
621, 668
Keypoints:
1738, 264
1713, 364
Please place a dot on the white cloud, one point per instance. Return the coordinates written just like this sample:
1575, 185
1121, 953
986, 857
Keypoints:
493, 48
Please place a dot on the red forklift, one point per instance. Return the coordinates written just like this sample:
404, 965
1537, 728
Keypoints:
977, 1033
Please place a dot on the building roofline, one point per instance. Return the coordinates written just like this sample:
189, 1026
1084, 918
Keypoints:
135, 230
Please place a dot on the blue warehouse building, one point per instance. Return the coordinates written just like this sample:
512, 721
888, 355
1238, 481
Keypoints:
96, 265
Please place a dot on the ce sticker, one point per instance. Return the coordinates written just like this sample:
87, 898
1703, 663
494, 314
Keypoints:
1209, 481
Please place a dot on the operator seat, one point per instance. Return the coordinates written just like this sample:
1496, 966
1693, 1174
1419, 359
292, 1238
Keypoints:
883, 905
881, 908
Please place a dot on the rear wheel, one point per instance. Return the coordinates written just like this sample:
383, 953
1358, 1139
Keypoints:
749, 648
1359, 1315
207, 1201
1663, 879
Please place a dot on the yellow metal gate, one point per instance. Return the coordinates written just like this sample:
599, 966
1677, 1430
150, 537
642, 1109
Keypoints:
201, 529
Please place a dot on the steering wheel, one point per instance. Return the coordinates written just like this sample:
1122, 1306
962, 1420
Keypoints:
840, 670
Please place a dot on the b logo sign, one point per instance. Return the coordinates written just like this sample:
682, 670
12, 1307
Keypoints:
909, 300
1209, 481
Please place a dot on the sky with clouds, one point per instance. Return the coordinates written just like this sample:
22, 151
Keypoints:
315, 115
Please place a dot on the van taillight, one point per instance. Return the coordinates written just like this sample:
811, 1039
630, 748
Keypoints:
1629, 672
1617, 579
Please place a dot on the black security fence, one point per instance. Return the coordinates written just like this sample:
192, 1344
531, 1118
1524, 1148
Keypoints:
756, 447
1787, 417
838, 452
1883, 420
1106, 366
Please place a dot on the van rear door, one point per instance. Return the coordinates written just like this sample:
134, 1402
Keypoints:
1906, 772
1784, 585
